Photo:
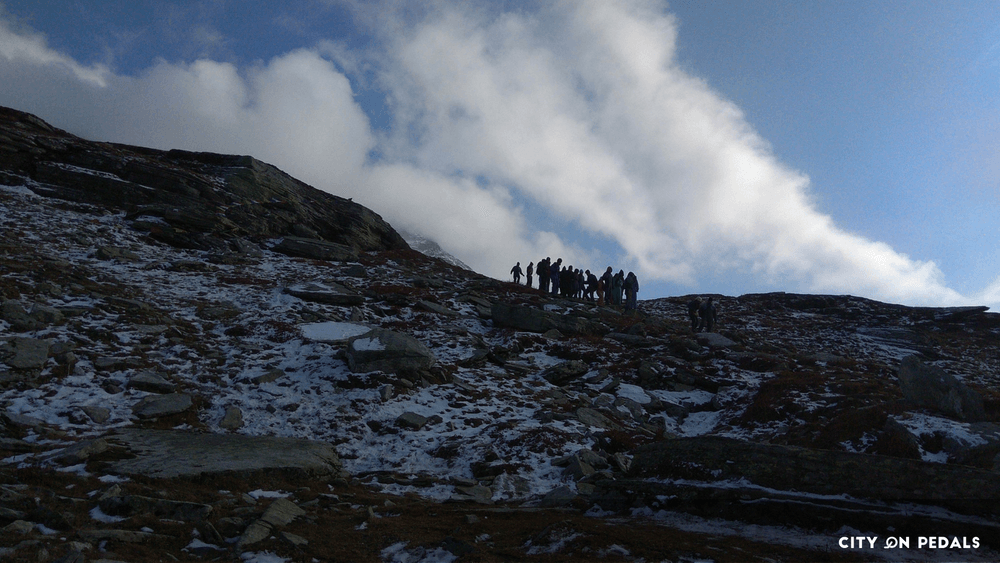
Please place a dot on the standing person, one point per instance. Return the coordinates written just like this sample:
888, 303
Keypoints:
694, 306
707, 313
516, 272
592, 286
605, 286
631, 289
554, 272
531, 270
617, 284
543, 274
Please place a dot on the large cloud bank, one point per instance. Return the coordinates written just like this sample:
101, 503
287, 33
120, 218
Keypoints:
578, 109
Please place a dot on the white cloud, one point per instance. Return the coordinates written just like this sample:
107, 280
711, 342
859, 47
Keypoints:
578, 108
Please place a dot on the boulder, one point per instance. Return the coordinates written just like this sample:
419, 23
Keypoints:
27, 353
411, 420
155, 406
388, 351
233, 419
565, 372
591, 417
279, 514
151, 382
166, 454
931, 387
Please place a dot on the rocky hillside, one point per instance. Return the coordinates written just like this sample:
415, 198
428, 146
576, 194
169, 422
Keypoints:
204, 359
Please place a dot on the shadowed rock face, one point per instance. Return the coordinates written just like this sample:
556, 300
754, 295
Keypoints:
167, 454
203, 200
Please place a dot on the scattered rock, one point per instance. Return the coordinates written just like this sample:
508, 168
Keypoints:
28, 353
233, 419
279, 514
565, 372
151, 383
411, 420
99, 415
591, 417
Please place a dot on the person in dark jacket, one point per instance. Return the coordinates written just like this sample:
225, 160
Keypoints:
529, 271
708, 313
516, 272
631, 290
543, 274
592, 285
617, 284
554, 272
694, 306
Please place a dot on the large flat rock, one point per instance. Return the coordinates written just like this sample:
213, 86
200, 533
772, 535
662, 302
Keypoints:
170, 453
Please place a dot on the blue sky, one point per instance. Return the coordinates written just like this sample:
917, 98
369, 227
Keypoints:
711, 146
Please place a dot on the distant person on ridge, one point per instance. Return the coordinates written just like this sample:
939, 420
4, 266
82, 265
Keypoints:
593, 286
531, 270
516, 271
694, 306
604, 289
543, 274
708, 313
631, 289
617, 284
554, 272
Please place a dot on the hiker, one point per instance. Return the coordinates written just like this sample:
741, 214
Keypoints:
516, 271
631, 289
694, 306
707, 312
530, 270
592, 286
543, 274
617, 284
605, 287
554, 272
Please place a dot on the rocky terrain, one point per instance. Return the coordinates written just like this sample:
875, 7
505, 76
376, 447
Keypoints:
202, 358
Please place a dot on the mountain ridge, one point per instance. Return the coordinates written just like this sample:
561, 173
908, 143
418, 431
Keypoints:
498, 424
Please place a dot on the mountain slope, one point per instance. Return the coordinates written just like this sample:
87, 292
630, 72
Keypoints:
545, 428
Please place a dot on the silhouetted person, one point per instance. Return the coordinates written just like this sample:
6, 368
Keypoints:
694, 306
554, 272
516, 272
530, 270
592, 285
617, 285
707, 311
631, 290
543, 274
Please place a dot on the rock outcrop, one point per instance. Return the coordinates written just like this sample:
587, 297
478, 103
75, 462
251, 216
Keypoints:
934, 388
168, 454
388, 351
189, 199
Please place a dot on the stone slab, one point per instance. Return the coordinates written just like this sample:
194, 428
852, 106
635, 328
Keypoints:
169, 453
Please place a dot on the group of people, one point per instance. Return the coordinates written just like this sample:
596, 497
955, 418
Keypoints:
611, 289
702, 314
